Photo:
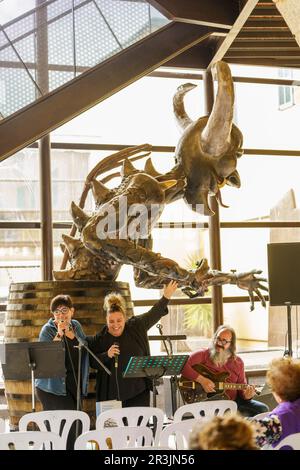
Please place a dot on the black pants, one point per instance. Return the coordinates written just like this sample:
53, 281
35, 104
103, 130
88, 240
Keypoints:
250, 407
60, 402
143, 399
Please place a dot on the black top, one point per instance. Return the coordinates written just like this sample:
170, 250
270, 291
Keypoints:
132, 342
71, 363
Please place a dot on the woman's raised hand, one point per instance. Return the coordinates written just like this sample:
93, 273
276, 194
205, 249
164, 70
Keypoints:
169, 289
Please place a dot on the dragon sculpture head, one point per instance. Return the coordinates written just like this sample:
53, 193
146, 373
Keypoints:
210, 146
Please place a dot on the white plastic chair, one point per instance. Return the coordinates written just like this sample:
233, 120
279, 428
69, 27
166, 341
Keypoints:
133, 416
115, 438
205, 408
260, 415
292, 441
2, 425
177, 434
31, 440
58, 421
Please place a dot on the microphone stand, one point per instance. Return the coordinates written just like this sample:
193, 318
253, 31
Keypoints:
173, 378
159, 326
81, 344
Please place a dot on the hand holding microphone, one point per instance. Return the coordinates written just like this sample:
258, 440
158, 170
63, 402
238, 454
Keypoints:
61, 327
114, 351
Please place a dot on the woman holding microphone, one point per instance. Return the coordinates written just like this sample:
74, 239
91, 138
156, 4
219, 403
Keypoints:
60, 393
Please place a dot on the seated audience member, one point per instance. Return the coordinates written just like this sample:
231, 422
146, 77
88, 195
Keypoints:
230, 432
218, 359
284, 379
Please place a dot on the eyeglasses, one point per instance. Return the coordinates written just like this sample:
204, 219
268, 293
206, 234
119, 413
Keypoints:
61, 310
223, 341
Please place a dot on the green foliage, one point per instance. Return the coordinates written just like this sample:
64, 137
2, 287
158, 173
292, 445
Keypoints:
198, 319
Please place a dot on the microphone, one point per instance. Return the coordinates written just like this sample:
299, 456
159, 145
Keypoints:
62, 321
116, 343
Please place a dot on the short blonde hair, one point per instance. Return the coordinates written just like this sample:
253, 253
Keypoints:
230, 432
284, 378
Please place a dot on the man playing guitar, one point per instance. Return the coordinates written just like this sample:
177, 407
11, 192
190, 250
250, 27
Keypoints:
218, 368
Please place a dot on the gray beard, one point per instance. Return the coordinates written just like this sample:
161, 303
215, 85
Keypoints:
219, 358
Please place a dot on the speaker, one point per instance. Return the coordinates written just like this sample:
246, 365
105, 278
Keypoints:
284, 273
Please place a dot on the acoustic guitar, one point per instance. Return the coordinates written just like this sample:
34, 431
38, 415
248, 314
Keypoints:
192, 392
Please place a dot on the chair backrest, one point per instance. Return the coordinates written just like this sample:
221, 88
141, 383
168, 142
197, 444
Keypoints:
31, 440
260, 415
177, 434
133, 416
115, 438
205, 408
58, 421
292, 441
2, 425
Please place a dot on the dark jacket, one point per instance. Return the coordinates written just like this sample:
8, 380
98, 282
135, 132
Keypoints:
133, 342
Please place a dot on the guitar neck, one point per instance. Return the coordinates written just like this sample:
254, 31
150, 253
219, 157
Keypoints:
230, 386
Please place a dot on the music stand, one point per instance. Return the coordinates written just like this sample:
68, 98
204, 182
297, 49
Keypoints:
41, 360
154, 367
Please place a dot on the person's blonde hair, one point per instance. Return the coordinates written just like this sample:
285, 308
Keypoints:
284, 378
114, 302
230, 432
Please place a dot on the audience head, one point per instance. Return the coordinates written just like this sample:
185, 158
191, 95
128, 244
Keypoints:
231, 432
114, 305
284, 379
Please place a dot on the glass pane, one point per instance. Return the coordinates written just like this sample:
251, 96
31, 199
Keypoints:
260, 72
69, 170
261, 121
143, 112
19, 187
269, 190
11, 9
20, 256
246, 249
249, 326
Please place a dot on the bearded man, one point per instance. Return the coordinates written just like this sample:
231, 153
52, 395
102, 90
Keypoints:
221, 358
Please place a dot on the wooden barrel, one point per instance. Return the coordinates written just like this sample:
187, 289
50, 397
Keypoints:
28, 309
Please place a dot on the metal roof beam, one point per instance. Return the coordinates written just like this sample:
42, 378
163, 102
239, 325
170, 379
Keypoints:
224, 45
217, 13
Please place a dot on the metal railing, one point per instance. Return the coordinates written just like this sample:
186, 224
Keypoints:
65, 38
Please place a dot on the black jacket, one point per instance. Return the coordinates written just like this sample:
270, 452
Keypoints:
132, 342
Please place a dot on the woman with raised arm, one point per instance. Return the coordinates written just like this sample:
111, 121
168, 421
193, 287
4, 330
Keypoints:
120, 339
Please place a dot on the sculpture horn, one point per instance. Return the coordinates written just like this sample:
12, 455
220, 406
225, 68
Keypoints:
127, 168
79, 217
100, 191
183, 120
216, 136
150, 170
71, 243
167, 184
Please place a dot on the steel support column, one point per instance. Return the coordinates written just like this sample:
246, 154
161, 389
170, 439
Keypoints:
214, 221
44, 148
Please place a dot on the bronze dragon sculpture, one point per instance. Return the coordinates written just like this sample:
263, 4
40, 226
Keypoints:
119, 231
